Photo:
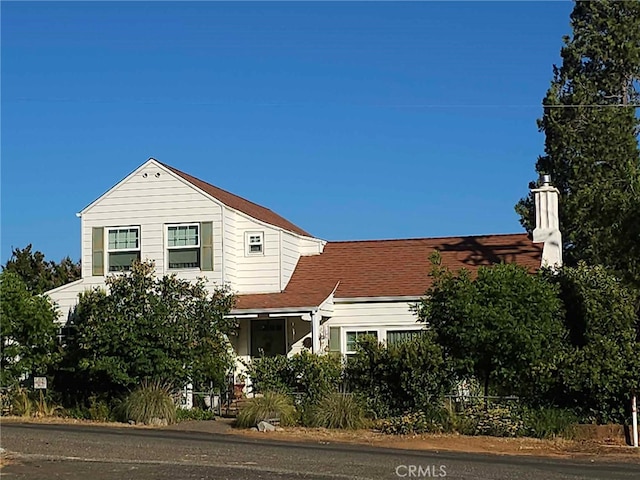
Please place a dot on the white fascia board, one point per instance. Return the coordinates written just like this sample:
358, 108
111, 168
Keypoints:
285, 310
326, 306
390, 299
247, 315
63, 287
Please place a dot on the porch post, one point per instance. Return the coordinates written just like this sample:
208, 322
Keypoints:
315, 331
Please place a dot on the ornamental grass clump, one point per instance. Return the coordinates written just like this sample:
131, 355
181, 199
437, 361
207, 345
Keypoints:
340, 410
550, 423
151, 404
271, 406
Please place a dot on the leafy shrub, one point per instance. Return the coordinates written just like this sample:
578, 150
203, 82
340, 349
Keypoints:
430, 421
194, 414
98, 410
78, 412
272, 374
311, 375
550, 422
149, 404
409, 376
340, 410
496, 421
272, 405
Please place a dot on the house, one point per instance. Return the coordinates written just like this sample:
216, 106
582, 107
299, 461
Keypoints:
295, 291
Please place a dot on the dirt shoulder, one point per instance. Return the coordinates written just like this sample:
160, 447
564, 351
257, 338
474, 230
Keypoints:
558, 448
606, 449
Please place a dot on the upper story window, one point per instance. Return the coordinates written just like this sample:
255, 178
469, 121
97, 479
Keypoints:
123, 247
183, 246
254, 243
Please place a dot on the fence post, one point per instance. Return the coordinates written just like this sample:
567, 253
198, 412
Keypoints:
634, 420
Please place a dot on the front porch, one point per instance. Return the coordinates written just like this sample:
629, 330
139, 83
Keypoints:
265, 335
271, 334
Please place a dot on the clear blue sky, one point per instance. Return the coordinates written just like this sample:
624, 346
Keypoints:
353, 120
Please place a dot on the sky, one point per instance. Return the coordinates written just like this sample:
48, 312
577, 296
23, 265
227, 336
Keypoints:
353, 120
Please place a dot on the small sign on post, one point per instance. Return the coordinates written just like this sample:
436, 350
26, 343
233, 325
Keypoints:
40, 383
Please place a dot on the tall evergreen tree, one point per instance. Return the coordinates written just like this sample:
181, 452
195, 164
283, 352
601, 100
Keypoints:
591, 128
39, 274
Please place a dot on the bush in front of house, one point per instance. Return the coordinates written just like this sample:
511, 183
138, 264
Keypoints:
494, 421
270, 406
405, 377
150, 404
339, 410
184, 414
433, 420
311, 376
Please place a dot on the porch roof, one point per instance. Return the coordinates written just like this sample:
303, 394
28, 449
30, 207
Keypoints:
299, 300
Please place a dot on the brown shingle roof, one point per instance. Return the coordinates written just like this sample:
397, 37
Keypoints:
238, 203
390, 268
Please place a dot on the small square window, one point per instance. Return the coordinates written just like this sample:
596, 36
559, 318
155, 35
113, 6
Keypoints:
255, 243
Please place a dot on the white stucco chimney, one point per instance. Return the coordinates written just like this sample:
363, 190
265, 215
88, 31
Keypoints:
547, 229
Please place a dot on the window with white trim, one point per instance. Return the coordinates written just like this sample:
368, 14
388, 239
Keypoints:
395, 337
183, 246
255, 243
123, 247
353, 337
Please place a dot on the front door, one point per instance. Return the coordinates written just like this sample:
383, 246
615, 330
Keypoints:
268, 337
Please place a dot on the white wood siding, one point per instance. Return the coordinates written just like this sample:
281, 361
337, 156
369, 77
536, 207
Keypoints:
230, 248
153, 202
290, 256
310, 246
66, 297
257, 273
378, 316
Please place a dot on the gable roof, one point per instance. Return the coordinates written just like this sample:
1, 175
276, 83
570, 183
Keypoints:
390, 268
238, 203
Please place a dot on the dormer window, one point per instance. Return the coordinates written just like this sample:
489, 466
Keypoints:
183, 246
123, 247
255, 243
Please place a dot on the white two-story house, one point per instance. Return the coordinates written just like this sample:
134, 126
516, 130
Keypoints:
295, 291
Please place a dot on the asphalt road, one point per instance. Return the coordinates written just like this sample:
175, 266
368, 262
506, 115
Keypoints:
96, 453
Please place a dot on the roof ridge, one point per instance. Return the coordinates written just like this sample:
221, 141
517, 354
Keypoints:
214, 186
383, 240
244, 204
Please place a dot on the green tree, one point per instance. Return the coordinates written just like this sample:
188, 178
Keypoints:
591, 137
39, 274
27, 331
503, 327
164, 329
603, 362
